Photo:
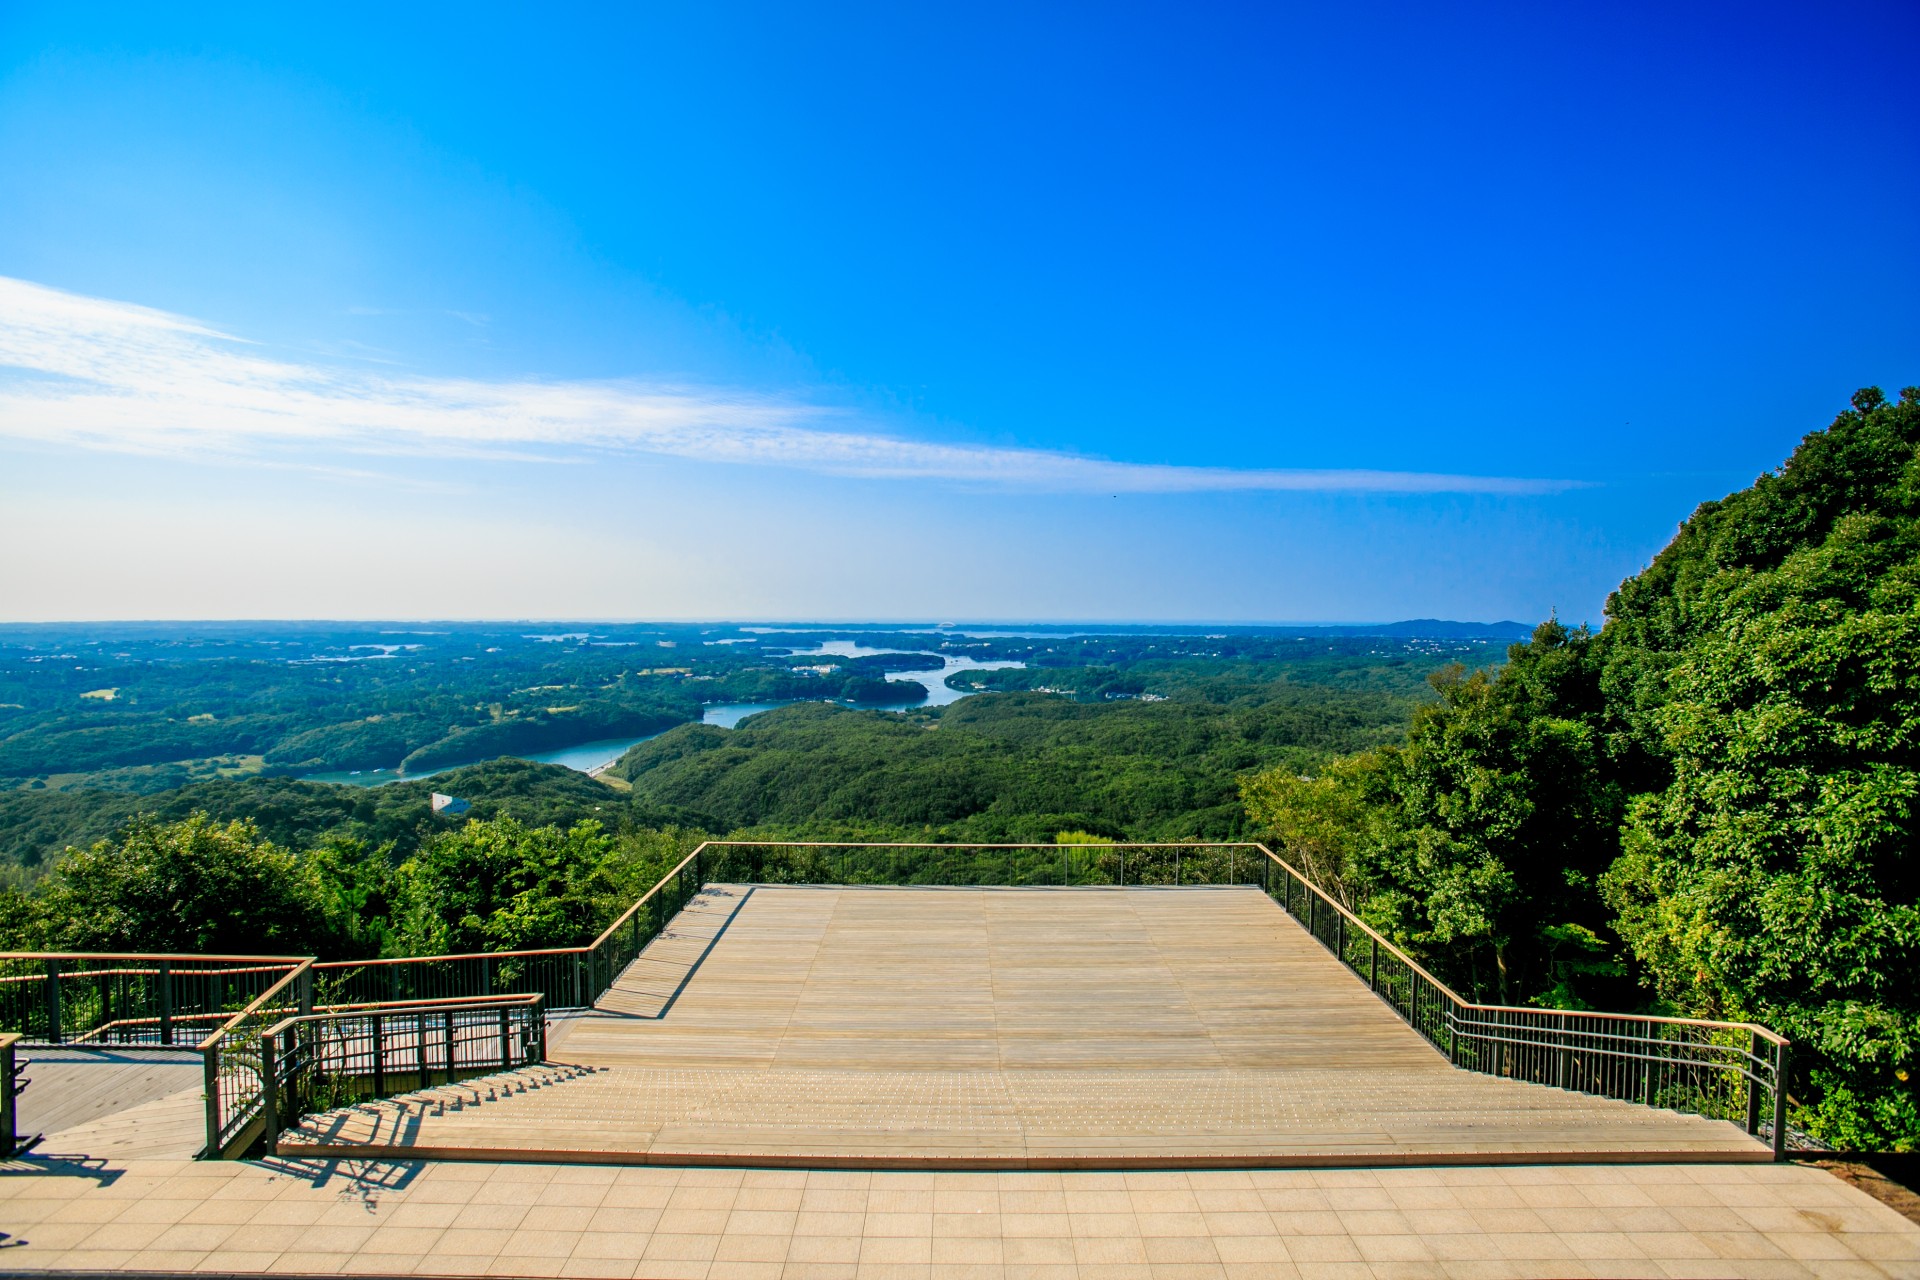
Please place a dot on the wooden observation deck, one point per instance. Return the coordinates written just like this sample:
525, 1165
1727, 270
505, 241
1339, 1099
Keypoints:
981, 1028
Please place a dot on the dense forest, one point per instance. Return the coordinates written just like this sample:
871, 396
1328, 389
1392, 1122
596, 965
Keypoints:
1270, 699
147, 708
1714, 798
1023, 766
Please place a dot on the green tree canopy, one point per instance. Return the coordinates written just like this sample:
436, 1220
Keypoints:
189, 886
1723, 784
1477, 843
502, 886
1776, 876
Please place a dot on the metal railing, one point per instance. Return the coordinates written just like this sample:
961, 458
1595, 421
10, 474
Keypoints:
128, 1000
12, 1141
565, 977
1723, 1070
232, 1066
334, 1057
955, 865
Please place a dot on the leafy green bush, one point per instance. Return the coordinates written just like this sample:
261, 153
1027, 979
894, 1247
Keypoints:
190, 886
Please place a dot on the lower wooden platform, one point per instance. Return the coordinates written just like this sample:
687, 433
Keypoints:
1001, 1028
124, 1103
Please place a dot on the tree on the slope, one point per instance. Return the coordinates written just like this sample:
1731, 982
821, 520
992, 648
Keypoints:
1777, 877
190, 886
501, 886
1478, 843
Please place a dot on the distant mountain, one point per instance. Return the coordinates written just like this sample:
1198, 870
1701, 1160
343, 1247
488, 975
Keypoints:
1440, 629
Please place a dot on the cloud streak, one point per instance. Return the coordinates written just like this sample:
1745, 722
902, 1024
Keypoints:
99, 374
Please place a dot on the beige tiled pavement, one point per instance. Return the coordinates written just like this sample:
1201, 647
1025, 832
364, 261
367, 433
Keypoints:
732, 1224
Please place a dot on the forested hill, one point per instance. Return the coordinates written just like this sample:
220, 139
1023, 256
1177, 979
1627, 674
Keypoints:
152, 707
1142, 747
36, 826
1718, 794
1166, 718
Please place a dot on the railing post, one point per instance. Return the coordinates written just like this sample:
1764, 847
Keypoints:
166, 1003
448, 1016
1753, 1085
1453, 1031
52, 992
9, 1110
270, 1093
1563, 1061
505, 1052
1313, 915
305, 988
379, 1056
420, 1044
1373, 965
210, 1086
1782, 1061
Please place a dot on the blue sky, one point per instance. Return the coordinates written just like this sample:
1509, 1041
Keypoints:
1088, 312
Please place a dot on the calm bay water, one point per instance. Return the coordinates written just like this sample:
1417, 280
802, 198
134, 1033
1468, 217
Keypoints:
590, 757
729, 714
586, 757
934, 678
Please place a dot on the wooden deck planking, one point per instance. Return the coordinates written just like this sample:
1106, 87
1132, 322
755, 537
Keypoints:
173, 1127
75, 1086
888, 1026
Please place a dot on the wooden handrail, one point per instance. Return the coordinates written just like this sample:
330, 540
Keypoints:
191, 957
1464, 1004
967, 844
627, 915
462, 955
143, 973
1366, 928
450, 1004
213, 1040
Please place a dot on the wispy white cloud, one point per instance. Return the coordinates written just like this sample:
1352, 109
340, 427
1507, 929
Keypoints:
99, 374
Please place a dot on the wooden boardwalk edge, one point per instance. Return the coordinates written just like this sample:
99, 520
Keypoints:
897, 1162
